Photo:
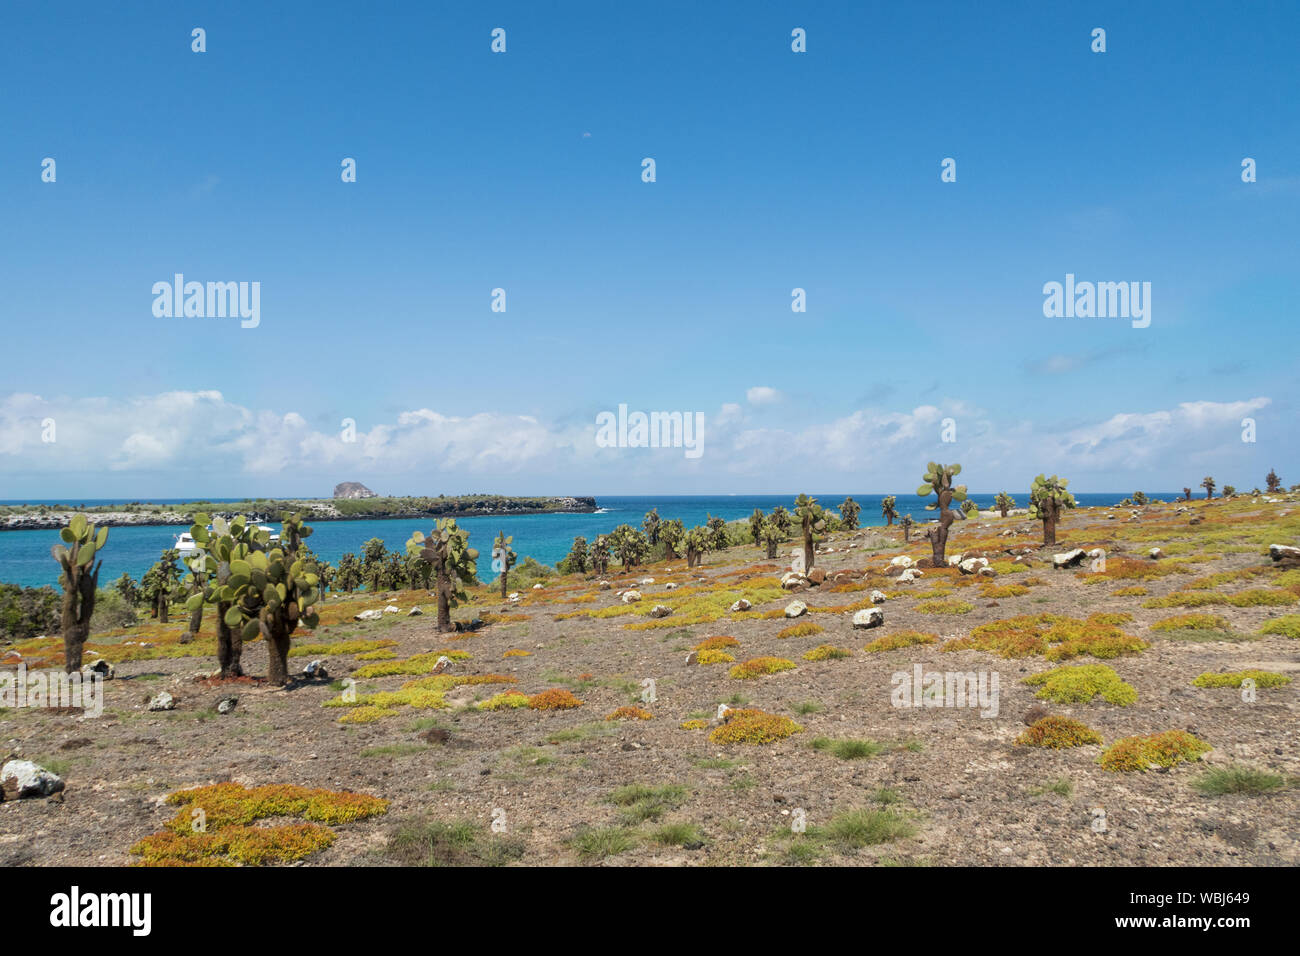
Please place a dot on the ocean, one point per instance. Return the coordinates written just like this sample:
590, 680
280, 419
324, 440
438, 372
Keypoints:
25, 555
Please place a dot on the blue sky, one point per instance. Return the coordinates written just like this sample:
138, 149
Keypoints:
522, 171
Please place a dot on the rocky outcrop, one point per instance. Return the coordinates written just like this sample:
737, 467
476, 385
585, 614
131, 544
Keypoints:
353, 489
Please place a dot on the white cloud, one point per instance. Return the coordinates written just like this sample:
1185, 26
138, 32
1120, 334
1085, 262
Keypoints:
763, 395
201, 438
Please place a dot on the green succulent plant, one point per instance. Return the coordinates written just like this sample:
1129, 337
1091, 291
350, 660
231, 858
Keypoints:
698, 541
812, 522
258, 589
671, 533
454, 565
889, 509
1004, 503
849, 511
1048, 497
938, 482
503, 558
79, 580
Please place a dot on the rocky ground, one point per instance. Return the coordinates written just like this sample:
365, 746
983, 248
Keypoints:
935, 785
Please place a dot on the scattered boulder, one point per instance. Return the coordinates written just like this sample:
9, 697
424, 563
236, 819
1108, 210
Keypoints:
692, 658
1155, 554
163, 701
878, 597
1069, 559
987, 572
670, 586
537, 587
973, 565
22, 779
910, 575
603, 585
869, 617
415, 611
315, 669
392, 609
793, 579
795, 608
660, 610
631, 597
103, 668
741, 605
902, 561
647, 581
368, 616
816, 575
226, 704
1283, 552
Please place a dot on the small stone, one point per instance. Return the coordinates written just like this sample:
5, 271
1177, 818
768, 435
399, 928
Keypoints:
415, 611
660, 610
163, 701
368, 616
878, 597
741, 605
631, 597
795, 608
226, 704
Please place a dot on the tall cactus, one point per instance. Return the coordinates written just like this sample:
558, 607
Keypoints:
651, 526
889, 509
849, 511
698, 541
811, 522
1208, 484
225, 543
671, 533
197, 583
264, 590
1047, 499
447, 549
600, 554
1004, 502
772, 536
79, 579
756, 525
938, 481
906, 522
503, 558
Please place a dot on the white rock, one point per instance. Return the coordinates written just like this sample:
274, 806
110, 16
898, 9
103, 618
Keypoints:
660, 610
537, 587
392, 609
902, 561
1069, 559
1279, 552
22, 778
878, 597
741, 605
954, 560
987, 572
795, 608
670, 586
368, 615
647, 581
1155, 553
163, 701
604, 585
869, 617
415, 611
630, 597
103, 668
973, 565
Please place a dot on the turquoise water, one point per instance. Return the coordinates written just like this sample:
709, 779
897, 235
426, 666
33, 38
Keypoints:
25, 555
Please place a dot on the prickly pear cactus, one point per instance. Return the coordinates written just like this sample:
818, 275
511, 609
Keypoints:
79, 579
938, 481
849, 511
889, 509
1048, 497
812, 521
503, 558
454, 564
1004, 502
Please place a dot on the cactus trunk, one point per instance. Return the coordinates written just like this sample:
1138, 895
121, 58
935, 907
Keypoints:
230, 645
504, 585
76, 627
809, 552
277, 650
444, 602
196, 622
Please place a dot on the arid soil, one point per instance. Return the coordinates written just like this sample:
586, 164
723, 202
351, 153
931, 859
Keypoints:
966, 792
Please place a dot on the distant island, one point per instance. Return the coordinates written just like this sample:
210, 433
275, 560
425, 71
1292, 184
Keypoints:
355, 501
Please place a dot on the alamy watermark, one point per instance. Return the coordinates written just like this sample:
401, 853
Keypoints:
1100, 300
923, 688
213, 300
653, 430
52, 689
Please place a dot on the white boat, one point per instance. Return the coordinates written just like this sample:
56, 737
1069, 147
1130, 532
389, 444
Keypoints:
188, 547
